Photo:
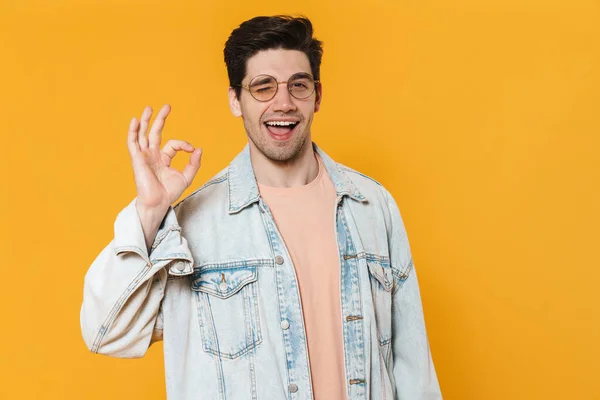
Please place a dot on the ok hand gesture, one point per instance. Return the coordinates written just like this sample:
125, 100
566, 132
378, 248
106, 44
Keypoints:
158, 184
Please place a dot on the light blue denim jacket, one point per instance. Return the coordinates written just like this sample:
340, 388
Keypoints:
219, 288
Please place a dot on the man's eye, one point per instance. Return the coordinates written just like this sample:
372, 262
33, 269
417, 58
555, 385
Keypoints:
263, 89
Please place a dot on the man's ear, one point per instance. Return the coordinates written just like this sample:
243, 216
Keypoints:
234, 103
319, 92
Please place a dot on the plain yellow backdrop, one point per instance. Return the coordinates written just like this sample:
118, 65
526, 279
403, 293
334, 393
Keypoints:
481, 118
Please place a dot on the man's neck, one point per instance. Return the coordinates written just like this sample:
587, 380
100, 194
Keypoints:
299, 171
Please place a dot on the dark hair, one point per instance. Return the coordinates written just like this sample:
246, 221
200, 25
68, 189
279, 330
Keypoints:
266, 33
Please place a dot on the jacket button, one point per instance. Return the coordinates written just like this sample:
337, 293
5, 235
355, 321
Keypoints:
285, 324
223, 287
293, 387
180, 266
279, 260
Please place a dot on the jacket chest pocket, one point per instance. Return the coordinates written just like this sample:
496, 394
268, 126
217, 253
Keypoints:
227, 302
381, 280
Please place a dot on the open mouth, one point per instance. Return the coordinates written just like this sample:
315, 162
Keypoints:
281, 128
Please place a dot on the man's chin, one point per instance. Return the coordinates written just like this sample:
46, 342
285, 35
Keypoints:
281, 152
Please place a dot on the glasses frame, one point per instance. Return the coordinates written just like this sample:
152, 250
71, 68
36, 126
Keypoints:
247, 87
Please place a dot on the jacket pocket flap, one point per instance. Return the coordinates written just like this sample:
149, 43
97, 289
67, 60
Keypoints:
223, 282
382, 274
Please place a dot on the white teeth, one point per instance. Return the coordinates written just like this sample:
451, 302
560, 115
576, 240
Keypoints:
281, 123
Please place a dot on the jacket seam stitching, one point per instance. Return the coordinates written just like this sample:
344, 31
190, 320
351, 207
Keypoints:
398, 274
164, 234
214, 181
256, 262
350, 170
134, 249
116, 308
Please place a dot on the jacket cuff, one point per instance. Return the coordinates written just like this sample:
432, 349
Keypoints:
168, 244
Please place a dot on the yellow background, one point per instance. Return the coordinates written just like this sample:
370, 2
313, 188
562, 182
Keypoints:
481, 117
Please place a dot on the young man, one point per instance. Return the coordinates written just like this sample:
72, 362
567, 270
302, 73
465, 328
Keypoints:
286, 276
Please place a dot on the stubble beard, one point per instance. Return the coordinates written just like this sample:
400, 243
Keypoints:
282, 154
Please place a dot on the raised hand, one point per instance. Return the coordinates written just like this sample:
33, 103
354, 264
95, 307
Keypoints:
158, 184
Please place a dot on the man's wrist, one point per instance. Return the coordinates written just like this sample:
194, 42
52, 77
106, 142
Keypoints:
150, 219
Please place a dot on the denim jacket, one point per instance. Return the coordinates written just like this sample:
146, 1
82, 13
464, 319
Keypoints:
219, 288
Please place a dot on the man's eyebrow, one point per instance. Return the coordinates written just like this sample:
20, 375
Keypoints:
301, 75
260, 81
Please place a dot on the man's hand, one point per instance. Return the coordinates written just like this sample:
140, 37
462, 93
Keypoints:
158, 185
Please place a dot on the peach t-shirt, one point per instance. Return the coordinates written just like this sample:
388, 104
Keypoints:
305, 217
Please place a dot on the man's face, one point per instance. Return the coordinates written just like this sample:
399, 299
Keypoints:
263, 120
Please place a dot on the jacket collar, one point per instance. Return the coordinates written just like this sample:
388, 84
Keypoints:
243, 189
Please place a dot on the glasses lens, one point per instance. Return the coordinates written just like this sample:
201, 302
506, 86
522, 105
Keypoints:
263, 87
301, 86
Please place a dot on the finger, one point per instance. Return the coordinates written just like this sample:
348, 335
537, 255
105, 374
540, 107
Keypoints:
144, 121
154, 137
132, 137
192, 167
173, 146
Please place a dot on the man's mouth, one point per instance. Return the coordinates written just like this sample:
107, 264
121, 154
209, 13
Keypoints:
281, 128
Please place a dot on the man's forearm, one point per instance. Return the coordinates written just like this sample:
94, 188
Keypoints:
150, 218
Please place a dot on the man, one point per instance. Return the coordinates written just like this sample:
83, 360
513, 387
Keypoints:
286, 276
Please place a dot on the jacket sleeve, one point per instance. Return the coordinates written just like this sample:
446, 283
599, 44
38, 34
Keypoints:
124, 287
413, 370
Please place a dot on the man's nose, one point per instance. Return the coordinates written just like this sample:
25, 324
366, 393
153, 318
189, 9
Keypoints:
283, 100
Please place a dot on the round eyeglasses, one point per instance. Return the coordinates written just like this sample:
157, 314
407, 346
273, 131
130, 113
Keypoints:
264, 87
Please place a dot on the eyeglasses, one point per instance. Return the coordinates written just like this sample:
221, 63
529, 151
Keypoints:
264, 87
